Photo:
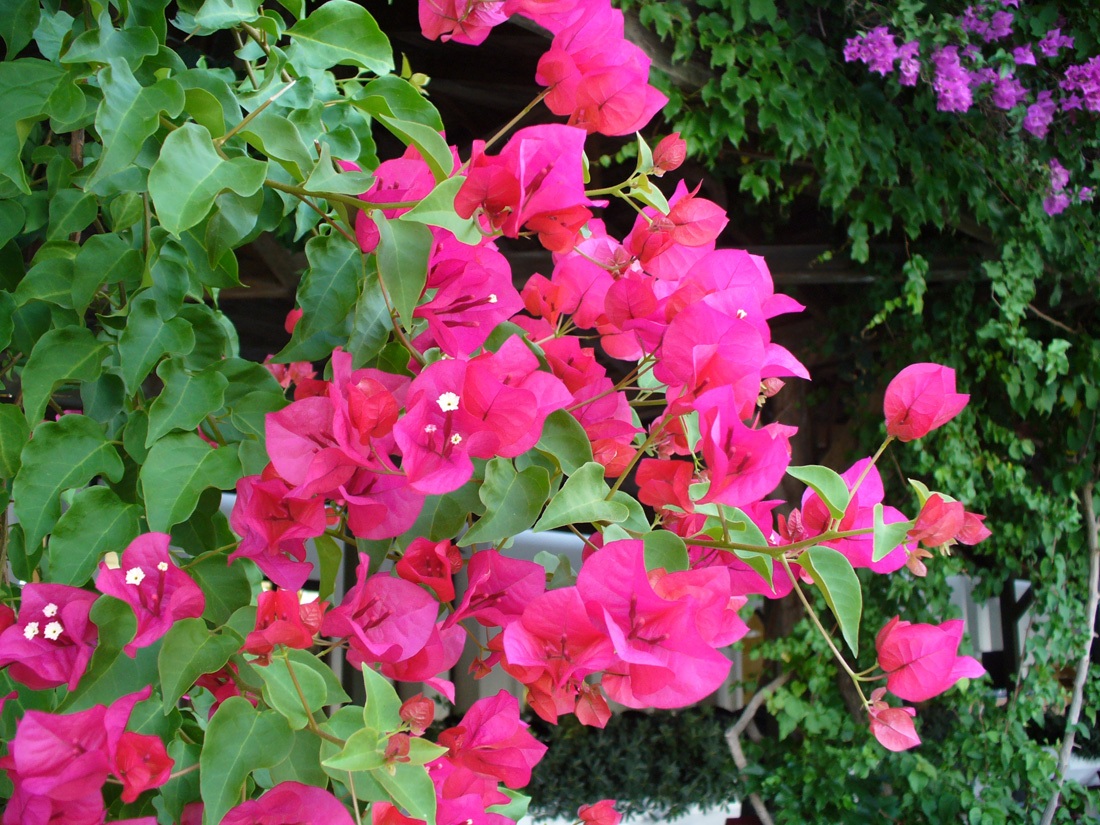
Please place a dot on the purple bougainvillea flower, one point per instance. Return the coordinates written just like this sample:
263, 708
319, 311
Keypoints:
291, 803
52, 641
921, 660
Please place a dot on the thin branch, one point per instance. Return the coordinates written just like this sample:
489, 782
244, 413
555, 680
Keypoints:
733, 739
1074, 715
1051, 320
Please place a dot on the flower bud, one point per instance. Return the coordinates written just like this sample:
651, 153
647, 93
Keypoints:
669, 153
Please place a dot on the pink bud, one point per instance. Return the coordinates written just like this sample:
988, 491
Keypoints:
669, 153
921, 398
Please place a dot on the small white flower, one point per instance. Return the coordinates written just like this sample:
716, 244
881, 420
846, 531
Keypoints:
456, 439
492, 298
430, 428
162, 566
448, 401
135, 576
52, 631
31, 630
50, 610
742, 314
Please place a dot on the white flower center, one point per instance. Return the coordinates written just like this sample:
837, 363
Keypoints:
742, 314
492, 298
52, 631
456, 439
430, 428
162, 566
50, 610
448, 401
135, 576
31, 630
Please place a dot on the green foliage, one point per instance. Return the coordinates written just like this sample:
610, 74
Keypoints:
660, 761
791, 123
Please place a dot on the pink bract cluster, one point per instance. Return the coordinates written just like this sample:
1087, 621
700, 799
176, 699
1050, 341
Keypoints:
592, 73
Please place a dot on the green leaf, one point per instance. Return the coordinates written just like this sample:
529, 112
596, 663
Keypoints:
326, 296
117, 625
442, 517
665, 550
25, 88
582, 500
411, 789
61, 455
189, 174
278, 138
225, 586
827, 484
565, 441
128, 114
186, 400
97, 521
18, 19
396, 97
147, 338
342, 33
887, 536
512, 502
103, 259
371, 323
71, 211
12, 219
179, 467
834, 576
7, 323
66, 354
304, 660
331, 556
364, 750
224, 14
303, 763
190, 650
438, 209
281, 694
105, 43
382, 708
14, 432
239, 740
402, 254
431, 145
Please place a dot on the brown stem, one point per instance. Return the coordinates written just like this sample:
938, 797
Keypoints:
733, 739
1074, 715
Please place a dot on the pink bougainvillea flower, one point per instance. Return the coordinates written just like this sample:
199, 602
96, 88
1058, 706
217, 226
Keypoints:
439, 654
282, 620
892, 727
463, 21
274, 527
418, 713
491, 740
499, 589
600, 813
973, 530
921, 398
385, 813
386, 619
63, 757
433, 564
662, 643
153, 585
552, 648
291, 803
52, 641
744, 464
921, 660
669, 153
938, 521
141, 762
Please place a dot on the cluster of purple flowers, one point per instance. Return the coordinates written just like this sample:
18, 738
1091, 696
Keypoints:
1085, 79
1059, 194
956, 83
962, 74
